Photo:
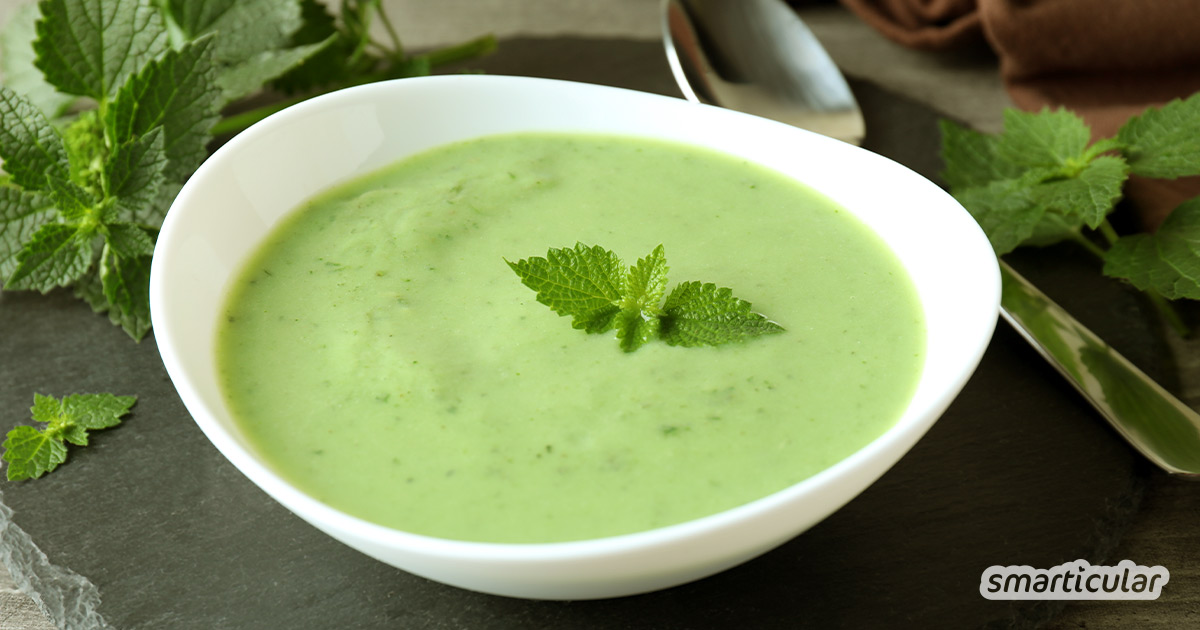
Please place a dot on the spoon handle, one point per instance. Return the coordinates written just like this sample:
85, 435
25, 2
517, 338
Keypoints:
1155, 422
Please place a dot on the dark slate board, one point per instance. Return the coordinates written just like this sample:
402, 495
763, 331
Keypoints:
1018, 471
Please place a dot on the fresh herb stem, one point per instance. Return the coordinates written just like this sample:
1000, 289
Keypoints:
1087, 244
1168, 312
397, 47
1106, 230
237, 122
459, 52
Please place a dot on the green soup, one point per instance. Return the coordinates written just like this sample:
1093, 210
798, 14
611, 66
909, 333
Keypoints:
381, 355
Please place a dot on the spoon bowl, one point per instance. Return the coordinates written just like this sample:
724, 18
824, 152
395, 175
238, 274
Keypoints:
758, 56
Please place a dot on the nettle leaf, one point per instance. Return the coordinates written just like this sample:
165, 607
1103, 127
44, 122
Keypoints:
1167, 261
128, 241
55, 256
245, 27
646, 283
96, 411
22, 213
971, 159
31, 148
703, 314
1005, 210
73, 202
1164, 142
253, 39
31, 453
134, 173
16, 63
89, 47
583, 283
1090, 195
126, 284
1054, 228
1046, 138
246, 78
178, 92
325, 66
635, 329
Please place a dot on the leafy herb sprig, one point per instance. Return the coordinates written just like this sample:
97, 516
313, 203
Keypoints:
594, 288
1042, 181
109, 105
32, 452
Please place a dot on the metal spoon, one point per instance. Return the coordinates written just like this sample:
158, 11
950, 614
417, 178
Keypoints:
756, 56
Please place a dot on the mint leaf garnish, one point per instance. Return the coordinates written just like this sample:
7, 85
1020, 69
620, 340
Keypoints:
591, 285
1164, 143
32, 452
88, 47
1167, 261
583, 283
30, 146
697, 314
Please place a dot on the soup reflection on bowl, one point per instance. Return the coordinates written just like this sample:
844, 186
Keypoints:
333, 300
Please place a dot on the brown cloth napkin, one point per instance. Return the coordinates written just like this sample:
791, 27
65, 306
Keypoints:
1104, 59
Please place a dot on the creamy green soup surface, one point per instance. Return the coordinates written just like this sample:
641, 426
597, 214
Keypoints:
383, 357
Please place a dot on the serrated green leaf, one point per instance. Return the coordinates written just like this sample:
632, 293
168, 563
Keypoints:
702, 314
583, 283
636, 328
21, 214
73, 202
1167, 261
327, 65
646, 283
89, 47
1054, 228
1164, 142
45, 409
1091, 194
126, 283
31, 148
1006, 211
96, 411
134, 173
56, 256
1047, 138
16, 63
245, 28
970, 158
243, 79
128, 241
31, 453
177, 91
89, 289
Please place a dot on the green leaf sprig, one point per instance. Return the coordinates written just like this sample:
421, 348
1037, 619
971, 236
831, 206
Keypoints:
32, 452
109, 106
594, 288
1042, 181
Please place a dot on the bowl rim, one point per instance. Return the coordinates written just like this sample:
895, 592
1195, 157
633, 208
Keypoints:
326, 517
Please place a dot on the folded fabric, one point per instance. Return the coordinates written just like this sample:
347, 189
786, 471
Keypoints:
1104, 59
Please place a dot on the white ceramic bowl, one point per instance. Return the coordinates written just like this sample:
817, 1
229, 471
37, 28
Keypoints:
235, 198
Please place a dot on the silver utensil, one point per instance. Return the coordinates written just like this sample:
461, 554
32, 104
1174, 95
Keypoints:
758, 57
